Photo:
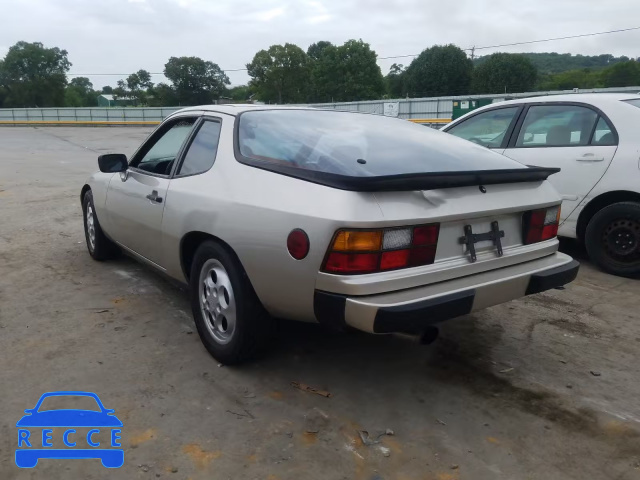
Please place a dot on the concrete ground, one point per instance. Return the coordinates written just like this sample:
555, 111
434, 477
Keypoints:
546, 387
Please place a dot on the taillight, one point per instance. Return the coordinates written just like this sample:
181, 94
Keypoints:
369, 251
539, 225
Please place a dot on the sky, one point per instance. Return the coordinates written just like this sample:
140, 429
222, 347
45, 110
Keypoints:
123, 36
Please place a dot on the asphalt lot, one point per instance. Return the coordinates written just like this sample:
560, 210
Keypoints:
545, 387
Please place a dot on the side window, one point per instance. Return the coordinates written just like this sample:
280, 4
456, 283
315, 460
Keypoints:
159, 154
557, 126
488, 128
603, 134
202, 151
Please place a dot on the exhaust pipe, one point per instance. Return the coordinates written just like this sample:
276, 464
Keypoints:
429, 336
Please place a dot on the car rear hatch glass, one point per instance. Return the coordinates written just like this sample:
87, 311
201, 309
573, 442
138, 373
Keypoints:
369, 152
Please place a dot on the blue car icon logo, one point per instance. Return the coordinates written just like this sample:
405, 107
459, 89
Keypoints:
72, 429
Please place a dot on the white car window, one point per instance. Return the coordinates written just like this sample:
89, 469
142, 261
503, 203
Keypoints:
488, 128
603, 134
202, 151
160, 155
556, 126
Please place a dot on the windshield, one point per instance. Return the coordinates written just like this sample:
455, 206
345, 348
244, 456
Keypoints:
634, 102
357, 145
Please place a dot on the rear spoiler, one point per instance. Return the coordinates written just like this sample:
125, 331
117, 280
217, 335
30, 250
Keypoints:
412, 181
437, 180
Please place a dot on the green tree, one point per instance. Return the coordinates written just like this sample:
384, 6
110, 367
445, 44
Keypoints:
79, 93
504, 73
162, 95
107, 90
121, 90
195, 81
439, 70
315, 49
138, 85
395, 81
280, 74
72, 98
34, 76
552, 62
240, 93
584, 78
346, 73
624, 74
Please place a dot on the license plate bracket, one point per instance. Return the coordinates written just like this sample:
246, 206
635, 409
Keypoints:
470, 239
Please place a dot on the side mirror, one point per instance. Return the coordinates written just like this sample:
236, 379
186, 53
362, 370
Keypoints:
113, 162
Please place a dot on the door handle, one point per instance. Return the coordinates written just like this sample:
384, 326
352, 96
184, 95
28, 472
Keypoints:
589, 157
153, 196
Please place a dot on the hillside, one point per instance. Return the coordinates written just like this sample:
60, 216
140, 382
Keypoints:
553, 62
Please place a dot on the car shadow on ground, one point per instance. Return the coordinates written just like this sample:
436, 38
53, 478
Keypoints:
358, 366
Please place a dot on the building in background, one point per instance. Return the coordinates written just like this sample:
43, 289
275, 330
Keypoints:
106, 100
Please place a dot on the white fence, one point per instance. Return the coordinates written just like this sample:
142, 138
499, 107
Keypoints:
435, 111
439, 110
88, 116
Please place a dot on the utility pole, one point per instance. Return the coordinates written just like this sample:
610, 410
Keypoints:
473, 53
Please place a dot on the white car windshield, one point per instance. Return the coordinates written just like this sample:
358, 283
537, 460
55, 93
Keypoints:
357, 145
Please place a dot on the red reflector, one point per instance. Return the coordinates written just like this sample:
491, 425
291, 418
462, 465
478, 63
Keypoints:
549, 231
422, 256
427, 234
352, 262
298, 244
394, 259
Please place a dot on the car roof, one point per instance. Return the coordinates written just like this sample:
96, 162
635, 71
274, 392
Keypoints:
237, 108
591, 98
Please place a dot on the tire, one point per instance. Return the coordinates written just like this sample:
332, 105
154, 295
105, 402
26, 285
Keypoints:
232, 323
612, 239
99, 246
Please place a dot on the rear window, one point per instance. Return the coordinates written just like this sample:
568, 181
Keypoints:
355, 145
634, 102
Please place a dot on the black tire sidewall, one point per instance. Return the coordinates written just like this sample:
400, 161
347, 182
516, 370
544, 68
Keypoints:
96, 253
104, 248
252, 322
594, 232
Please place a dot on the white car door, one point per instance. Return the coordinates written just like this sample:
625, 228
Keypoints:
136, 198
576, 138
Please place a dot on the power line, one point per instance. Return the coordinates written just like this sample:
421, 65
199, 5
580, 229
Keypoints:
528, 42
558, 38
472, 49
127, 74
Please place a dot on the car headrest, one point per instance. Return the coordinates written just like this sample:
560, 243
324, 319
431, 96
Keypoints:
559, 135
606, 139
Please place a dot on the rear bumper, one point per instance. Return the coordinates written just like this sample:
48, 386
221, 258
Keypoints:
415, 309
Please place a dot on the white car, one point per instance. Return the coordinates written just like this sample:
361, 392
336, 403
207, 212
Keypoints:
595, 140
